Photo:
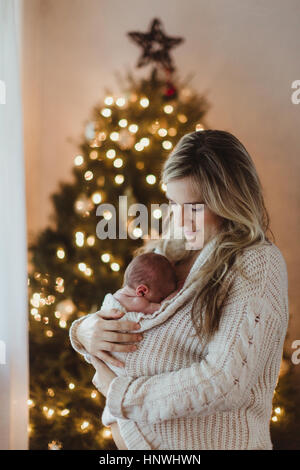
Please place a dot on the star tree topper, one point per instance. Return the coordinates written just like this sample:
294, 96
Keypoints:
156, 46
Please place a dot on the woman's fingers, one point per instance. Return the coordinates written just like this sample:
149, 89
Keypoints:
104, 356
115, 324
120, 325
108, 346
120, 337
110, 313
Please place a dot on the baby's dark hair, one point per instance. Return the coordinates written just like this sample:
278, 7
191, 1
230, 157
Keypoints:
152, 269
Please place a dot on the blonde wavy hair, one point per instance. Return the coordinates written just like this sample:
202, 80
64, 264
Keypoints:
223, 174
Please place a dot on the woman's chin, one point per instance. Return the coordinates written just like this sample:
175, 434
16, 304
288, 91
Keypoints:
194, 240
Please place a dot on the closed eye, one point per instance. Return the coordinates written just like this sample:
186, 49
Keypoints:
194, 209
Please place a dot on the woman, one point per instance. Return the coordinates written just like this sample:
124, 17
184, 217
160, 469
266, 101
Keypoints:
240, 309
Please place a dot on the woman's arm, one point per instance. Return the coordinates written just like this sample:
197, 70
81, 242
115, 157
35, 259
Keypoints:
115, 431
250, 331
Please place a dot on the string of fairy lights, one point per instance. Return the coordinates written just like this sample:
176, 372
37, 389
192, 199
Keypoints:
125, 137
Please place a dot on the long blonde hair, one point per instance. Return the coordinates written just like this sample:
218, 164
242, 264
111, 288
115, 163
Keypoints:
223, 174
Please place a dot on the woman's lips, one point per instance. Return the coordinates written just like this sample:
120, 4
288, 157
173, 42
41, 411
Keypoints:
190, 234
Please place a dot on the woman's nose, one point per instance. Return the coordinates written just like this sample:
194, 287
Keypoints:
184, 216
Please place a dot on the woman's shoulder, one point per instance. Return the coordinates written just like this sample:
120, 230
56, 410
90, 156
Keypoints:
260, 268
266, 259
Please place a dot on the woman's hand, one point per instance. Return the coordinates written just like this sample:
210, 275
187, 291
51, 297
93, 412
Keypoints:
103, 331
103, 376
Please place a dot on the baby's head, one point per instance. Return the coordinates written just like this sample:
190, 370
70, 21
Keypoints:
151, 275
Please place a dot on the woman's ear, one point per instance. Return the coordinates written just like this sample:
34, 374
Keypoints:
141, 290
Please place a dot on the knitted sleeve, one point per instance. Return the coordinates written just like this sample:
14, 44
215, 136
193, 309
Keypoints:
109, 302
73, 336
252, 328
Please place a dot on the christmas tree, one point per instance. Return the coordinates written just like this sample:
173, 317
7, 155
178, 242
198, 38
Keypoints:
125, 143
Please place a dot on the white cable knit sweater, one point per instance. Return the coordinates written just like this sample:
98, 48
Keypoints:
179, 392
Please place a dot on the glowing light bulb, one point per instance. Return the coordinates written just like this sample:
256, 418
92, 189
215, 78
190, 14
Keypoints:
139, 147
119, 179
111, 153
168, 109
79, 238
88, 175
120, 101
137, 232
106, 112
167, 144
145, 141
91, 240
106, 433
82, 267
162, 132
150, 179
114, 136
133, 128
109, 100
123, 122
144, 102
93, 155
96, 198
182, 118
88, 272
107, 215
78, 160
118, 162
105, 257
115, 266
157, 214
60, 253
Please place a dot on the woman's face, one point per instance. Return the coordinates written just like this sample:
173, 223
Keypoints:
189, 211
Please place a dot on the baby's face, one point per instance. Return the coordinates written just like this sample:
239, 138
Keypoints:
157, 296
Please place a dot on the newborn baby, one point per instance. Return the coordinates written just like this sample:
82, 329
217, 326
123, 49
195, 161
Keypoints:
148, 280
